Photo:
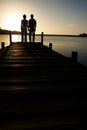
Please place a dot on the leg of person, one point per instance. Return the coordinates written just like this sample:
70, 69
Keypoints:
21, 36
25, 36
33, 36
30, 36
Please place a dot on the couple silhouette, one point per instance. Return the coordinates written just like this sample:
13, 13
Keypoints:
30, 26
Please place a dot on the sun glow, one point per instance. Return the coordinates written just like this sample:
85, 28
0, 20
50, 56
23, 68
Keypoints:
12, 22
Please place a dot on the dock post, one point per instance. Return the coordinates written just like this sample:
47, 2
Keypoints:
2, 45
10, 37
42, 38
75, 56
50, 45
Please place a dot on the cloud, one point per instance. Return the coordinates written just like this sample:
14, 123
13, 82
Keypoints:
71, 25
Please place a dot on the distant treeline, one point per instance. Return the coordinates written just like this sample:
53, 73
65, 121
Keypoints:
83, 35
3, 31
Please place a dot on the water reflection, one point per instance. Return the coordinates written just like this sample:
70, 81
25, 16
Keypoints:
4, 38
63, 45
15, 38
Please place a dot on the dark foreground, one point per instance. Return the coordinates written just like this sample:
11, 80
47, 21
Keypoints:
41, 89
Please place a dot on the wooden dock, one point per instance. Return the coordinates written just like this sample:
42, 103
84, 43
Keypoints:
40, 89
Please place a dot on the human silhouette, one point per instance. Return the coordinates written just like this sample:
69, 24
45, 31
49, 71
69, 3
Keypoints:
24, 24
32, 28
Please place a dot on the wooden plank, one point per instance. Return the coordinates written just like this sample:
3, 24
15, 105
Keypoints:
40, 88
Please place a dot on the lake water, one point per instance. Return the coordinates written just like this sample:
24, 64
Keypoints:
63, 45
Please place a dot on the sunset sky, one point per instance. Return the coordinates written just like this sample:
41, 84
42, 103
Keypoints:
53, 16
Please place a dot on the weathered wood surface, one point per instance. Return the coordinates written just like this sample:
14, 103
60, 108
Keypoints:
40, 88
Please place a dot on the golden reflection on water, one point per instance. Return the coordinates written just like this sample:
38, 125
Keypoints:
14, 38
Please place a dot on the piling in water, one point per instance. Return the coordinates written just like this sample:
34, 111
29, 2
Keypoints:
50, 45
42, 38
75, 56
2, 45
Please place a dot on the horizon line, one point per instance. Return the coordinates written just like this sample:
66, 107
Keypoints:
5, 31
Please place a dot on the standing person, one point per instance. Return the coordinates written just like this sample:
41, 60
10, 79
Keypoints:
32, 28
24, 24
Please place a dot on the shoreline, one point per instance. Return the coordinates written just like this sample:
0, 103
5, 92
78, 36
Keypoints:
51, 35
7, 32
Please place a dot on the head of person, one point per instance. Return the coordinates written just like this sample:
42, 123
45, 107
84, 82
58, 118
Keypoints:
32, 15
24, 16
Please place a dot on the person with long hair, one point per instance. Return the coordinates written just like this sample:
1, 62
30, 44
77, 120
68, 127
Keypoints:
24, 24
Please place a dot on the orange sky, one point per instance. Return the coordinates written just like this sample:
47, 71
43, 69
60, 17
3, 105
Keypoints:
53, 16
